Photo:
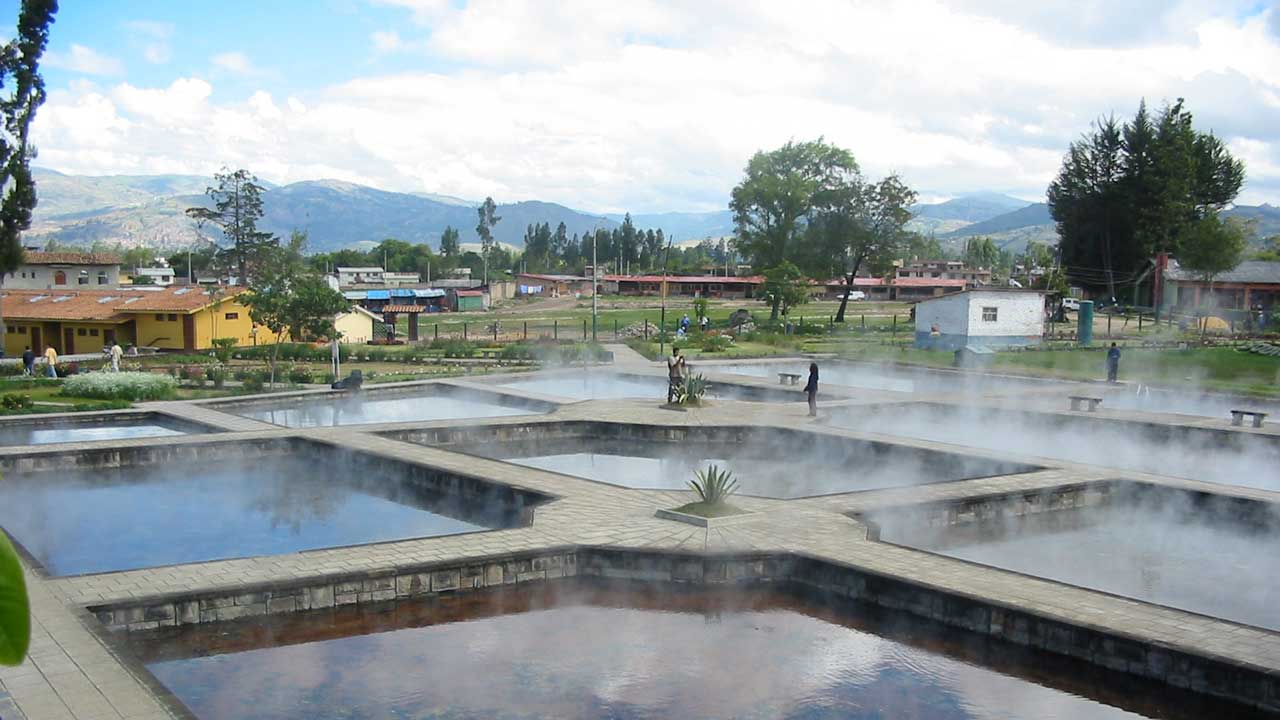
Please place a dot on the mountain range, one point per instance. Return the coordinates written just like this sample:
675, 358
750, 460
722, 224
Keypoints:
79, 210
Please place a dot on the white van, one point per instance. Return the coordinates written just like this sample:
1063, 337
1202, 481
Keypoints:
1072, 304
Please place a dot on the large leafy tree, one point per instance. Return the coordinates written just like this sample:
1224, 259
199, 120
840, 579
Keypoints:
871, 225
784, 286
1128, 190
488, 218
1211, 246
449, 246
237, 208
23, 92
780, 194
290, 299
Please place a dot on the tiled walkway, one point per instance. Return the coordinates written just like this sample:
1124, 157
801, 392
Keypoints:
73, 672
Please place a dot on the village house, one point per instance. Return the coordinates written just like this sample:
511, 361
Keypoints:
984, 318
1251, 285
168, 318
71, 270
945, 270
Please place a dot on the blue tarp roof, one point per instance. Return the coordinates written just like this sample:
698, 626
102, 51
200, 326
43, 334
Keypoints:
405, 292
429, 293
379, 295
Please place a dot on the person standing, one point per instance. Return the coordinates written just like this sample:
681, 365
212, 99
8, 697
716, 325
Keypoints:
704, 323
117, 352
28, 362
811, 389
51, 358
675, 373
1113, 363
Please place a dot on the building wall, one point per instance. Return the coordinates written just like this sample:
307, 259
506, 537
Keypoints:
158, 330
40, 277
1017, 314
228, 319
959, 318
950, 314
356, 327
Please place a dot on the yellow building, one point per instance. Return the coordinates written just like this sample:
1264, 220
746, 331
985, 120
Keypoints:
85, 321
355, 326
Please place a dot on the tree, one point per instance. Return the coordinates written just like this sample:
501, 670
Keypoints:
289, 299
449, 246
20, 70
237, 208
784, 287
1211, 247
780, 194
981, 252
1129, 190
873, 220
485, 230
1270, 251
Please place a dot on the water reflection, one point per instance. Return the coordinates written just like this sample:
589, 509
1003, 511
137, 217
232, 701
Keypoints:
354, 410
82, 432
584, 651
146, 516
592, 386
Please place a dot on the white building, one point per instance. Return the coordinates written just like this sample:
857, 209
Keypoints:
65, 270
983, 317
359, 276
161, 275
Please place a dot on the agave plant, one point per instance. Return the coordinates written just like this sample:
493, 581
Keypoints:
691, 390
714, 485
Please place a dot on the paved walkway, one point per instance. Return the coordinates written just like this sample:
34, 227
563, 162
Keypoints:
74, 672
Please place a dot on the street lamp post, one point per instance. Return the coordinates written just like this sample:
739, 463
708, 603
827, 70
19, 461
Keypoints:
595, 287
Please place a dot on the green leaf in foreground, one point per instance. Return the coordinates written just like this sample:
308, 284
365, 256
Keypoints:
15, 611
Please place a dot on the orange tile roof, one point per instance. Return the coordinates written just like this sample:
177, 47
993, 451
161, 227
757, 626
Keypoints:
104, 305
33, 257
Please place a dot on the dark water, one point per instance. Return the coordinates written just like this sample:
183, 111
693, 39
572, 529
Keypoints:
1170, 556
357, 410
1091, 441
583, 650
88, 522
81, 432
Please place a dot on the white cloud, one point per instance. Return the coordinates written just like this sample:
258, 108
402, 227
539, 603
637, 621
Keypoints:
84, 60
152, 38
388, 41
235, 62
657, 106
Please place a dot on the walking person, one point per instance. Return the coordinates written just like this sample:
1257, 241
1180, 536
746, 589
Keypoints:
51, 357
117, 352
675, 373
28, 362
811, 389
1113, 363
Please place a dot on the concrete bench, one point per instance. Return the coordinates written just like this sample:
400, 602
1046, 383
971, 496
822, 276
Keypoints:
490, 353
1078, 401
1237, 417
788, 378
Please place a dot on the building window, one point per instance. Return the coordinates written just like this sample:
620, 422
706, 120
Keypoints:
989, 314
93, 332
173, 317
81, 332
102, 278
159, 317
233, 316
59, 278
22, 330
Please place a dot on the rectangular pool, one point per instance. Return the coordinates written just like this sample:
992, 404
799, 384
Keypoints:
364, 408
776, 463
873, 377
589, 385
585, 650
150, 515
64, 431
1157, 547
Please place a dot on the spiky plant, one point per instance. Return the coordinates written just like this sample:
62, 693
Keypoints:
714, 485
691, 390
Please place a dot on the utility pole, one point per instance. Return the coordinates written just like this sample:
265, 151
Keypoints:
662, 318
595, 287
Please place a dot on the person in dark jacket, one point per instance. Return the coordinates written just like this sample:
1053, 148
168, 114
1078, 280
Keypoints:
28, 362
1113, 363
811, 389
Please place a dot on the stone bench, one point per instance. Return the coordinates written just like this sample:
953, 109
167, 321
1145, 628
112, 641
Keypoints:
1237, 417
788, 378
1078, 401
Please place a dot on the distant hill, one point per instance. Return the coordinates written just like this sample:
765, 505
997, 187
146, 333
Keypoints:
149, 210
1026, 216
684, 225
1266, 218
973, 208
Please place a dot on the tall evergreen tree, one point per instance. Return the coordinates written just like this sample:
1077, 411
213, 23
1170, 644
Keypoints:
20, 74
488, 218
449, 245
237, 208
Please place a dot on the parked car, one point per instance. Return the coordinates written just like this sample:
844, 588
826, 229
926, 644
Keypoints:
1072, 304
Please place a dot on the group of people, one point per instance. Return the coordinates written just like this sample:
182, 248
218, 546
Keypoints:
675, 377
682, 328
115, 353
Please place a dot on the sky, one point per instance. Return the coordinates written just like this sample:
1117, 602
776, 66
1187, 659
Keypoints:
642, 106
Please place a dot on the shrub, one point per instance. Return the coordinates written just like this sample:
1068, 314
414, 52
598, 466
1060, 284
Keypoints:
714, 485
223, 348
716, 343
16, 401
132, 386
457, 348
193, 373
300, 376
691, 390
10, 369
216, 374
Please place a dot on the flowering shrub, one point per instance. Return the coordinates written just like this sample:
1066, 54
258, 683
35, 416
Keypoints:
120, 386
